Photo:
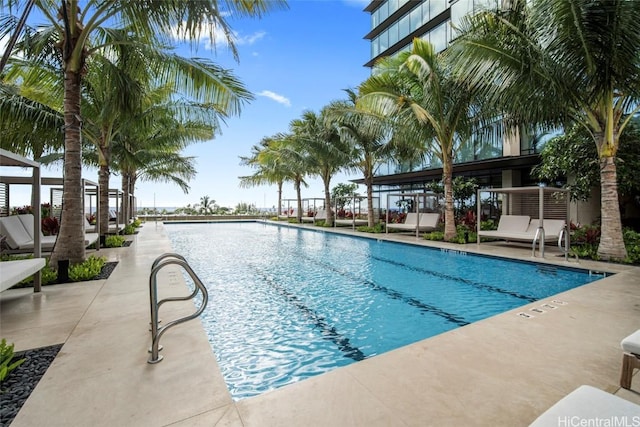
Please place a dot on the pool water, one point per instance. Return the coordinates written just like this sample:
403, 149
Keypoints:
286, 303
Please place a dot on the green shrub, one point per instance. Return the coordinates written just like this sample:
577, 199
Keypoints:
87, 270
6, 358
434, 235
377, 228
129, 229
488, 225
114, 241
136, 223
462, 233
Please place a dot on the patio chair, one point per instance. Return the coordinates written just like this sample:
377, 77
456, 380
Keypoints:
427, 222
18, 230
588, 403
509, 227
12, 272
630, 358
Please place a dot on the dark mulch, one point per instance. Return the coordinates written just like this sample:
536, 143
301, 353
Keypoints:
106, 271
127, 243
18, 385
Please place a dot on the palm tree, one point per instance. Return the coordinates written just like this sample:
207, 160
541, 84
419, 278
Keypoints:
73, 38
427, 104
287, 152
368, 138
268, 170
555, 62
325, 151
206, 205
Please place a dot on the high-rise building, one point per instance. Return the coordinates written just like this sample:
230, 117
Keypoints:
499, 159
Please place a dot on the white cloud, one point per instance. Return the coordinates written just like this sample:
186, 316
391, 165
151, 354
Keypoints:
278, 98
219, 38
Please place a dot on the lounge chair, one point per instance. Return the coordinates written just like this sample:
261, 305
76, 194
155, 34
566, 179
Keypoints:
12, 272
351, 221
413, 222
19, 232
630, 359
320, 215
520, 228
588, 403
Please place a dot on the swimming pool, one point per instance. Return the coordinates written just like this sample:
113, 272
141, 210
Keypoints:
288, 303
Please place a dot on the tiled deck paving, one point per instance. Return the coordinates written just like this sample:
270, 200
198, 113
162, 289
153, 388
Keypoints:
504, 370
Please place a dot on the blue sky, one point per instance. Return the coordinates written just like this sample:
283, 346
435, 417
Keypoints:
292, 60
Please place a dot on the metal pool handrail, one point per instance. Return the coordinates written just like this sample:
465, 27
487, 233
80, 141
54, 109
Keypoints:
156, 332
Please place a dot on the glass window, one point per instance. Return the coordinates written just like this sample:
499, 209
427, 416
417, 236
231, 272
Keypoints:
393, 6
458, 11
383, 42
439, 37
404, 27
375, 18
437, 6
415, 18
375, 47
393, 34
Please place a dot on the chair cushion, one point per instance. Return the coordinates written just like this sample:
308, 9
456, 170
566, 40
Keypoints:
17, 236
587, 403
513, 223
631, 343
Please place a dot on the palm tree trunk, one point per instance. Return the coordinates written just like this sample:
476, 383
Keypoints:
368, 181
103, 181
279, 198
70, 243
126, 208
449, 217
327, 200
299, 195
611, 240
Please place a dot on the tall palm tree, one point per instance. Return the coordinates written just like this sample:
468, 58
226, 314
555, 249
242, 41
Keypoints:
269, 171
287, 152
551, 63
325, 151
427, 104
368, 137
30, 119
72, 38
148, 144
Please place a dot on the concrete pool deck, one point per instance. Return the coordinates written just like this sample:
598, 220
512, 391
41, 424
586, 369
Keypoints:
504, 370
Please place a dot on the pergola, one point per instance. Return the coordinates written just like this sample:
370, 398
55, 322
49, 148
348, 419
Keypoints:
539, 203
8, 158
417, 202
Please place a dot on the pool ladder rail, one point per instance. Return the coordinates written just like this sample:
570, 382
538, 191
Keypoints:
156, 331
539, 239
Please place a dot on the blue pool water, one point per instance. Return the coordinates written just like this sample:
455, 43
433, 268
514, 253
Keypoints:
287, 304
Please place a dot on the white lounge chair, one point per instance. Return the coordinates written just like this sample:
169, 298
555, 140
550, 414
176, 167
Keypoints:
320, 215
351, 221
27, 221
19, 233
630, 359
12, 272
413, 222
520, 228
19, 238
588, 403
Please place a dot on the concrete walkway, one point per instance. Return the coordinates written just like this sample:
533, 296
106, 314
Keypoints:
504, 370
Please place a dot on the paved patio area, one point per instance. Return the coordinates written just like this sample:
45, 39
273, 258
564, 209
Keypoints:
504, 370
